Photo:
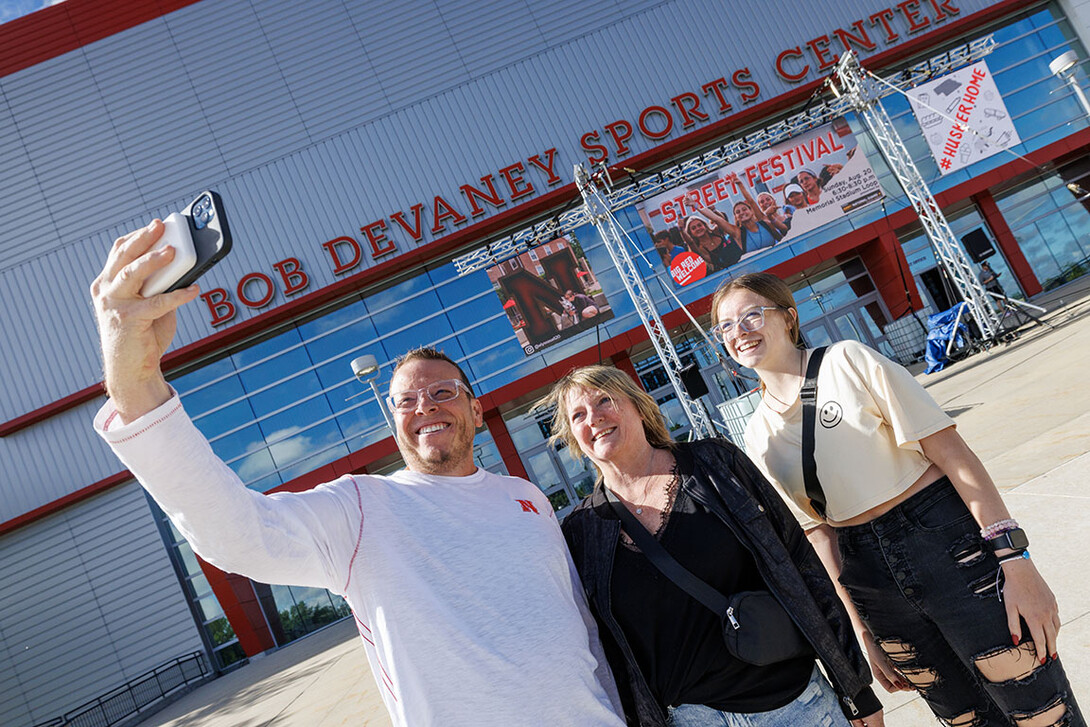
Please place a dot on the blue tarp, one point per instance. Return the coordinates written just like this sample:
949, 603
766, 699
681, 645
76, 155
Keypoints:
940, 328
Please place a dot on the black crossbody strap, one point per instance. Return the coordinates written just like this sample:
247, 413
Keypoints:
808, 395
665, 562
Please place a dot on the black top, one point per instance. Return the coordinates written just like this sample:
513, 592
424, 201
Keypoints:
677, 641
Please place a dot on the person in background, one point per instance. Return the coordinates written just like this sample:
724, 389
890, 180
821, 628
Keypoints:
795, 199
666, 247
810, 183
990, 279
752, 228
711, 509
710, 243
935, 572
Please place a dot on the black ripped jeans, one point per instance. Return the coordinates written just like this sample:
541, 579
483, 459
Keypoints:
926, 586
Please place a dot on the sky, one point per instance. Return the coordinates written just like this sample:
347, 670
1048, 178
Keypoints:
12, 9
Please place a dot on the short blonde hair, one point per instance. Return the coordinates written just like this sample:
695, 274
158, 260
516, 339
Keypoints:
615, 383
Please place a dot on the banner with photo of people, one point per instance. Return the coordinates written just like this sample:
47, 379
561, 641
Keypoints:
549, 294
760, 201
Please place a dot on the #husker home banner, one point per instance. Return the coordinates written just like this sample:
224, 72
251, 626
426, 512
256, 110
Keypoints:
963, 117
549, 294
760, 201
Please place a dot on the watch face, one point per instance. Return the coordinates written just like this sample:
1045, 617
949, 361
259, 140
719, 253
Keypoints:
1018, 539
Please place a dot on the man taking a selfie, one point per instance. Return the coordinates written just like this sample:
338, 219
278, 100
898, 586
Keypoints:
459, 579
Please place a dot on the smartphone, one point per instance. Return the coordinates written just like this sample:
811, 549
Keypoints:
200, 237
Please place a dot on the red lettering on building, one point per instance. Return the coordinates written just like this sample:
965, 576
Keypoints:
443, 210
911, 10
291, 272
743, 79
519, 187
473, 194
716, 87
943, 10
219, 305
602, 152
883, 17
546, 166
861, 41
621, 131
667, 125
380, 244
416, 232
795, 52
257, 278
339, 264
689, 114
819, 46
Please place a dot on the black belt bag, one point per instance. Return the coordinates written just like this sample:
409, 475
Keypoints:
756, 628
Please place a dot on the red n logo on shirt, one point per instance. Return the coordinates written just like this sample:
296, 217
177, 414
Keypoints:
528, 506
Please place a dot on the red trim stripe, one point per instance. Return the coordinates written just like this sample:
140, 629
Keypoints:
359, 535
386, 680
493, 225
65, 27
51, 508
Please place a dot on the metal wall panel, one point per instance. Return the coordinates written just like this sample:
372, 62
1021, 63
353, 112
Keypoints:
53, 459
90, 601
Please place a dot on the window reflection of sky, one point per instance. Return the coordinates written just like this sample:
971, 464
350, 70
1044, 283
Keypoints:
281, 407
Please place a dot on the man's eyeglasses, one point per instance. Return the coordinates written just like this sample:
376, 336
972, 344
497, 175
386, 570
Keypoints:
752, 320
438, 391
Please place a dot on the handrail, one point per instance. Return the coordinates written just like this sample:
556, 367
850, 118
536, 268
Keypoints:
136, 694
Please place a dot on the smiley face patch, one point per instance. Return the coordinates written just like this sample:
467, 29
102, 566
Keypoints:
830, 414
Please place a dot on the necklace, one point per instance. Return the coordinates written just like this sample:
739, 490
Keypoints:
802, 363
650, 481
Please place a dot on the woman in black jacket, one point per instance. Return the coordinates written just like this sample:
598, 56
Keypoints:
717, 516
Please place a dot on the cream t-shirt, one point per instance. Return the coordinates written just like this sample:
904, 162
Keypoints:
871, 416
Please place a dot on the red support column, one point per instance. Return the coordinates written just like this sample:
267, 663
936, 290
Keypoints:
510, 456
1008, 243
888, 267
623, 361
239, 603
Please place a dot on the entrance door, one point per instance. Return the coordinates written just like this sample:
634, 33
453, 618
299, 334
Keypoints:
863, 320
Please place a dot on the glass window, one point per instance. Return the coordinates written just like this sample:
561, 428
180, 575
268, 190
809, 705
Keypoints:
1050, 224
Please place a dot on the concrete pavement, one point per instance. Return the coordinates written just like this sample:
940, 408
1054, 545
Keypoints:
1023, 407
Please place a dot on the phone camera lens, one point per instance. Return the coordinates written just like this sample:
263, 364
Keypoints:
203, 212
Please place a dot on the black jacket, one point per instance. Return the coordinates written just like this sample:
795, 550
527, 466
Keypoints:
728, 485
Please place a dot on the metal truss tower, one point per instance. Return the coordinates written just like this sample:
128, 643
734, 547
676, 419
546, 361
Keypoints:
857, 87
601, 214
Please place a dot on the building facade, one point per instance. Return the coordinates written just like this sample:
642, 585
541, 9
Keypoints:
361, 148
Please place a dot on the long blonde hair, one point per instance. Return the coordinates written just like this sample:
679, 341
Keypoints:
615, 383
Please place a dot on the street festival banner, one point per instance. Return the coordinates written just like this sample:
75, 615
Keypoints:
760, 201
549, 294
974, 122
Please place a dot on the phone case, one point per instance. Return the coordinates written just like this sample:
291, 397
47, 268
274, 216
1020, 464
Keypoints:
201, 238
176, 234
210, 233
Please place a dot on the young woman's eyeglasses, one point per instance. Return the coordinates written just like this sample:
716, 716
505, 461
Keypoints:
750, 321
439, 392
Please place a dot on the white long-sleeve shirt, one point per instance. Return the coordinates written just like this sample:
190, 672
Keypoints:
462, 587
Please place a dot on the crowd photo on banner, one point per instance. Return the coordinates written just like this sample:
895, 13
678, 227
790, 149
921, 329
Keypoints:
760, 201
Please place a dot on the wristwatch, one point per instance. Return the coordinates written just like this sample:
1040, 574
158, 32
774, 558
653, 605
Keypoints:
1013, 539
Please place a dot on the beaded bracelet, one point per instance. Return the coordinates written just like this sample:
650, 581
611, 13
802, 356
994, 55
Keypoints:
998, 528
